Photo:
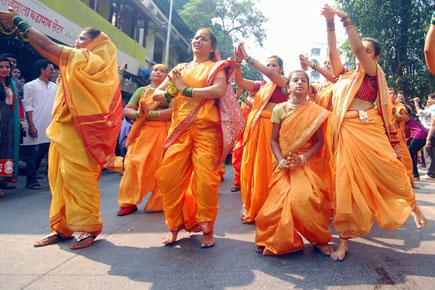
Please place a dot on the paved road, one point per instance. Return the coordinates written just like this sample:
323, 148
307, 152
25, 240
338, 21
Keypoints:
129, 253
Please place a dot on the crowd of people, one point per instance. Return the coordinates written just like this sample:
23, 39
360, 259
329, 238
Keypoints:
344, 152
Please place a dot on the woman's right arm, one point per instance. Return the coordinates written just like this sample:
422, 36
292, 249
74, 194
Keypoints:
336, 64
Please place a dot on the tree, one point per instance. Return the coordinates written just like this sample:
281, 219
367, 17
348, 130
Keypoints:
229, 19
401, 26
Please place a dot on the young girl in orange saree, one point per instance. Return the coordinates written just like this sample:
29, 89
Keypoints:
369, 180
298, 202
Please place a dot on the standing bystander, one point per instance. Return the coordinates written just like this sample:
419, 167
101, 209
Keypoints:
38, 104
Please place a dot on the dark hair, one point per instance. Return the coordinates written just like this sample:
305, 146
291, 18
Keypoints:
290, 75
376, 45
5, 57
213, 40
92, 32
41, 64
280, 62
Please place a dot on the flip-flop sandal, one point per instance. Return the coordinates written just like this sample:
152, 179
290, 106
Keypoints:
83, 241
52, 238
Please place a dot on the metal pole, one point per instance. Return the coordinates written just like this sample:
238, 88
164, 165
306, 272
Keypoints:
168, 35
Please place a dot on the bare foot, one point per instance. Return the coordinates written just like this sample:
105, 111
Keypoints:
170, 238
324, 249
419, 218
207, 240
340, 253
267, 252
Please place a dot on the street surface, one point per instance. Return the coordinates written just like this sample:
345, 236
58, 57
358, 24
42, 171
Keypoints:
129, 254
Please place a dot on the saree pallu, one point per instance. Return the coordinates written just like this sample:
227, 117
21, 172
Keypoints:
9, 136
298, 203
371, 183
404, 151
189, 176
256, 167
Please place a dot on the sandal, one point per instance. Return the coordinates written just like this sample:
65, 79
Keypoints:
235, 188
83, 241
52, 238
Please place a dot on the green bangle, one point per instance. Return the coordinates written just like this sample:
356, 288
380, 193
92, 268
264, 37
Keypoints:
188, 92
136, 114
154, 114
17, 20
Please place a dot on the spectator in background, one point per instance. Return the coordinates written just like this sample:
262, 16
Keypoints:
38, 104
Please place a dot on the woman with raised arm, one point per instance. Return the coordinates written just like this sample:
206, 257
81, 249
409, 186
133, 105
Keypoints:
298, 203
198, 139
85, 125
370, 181
256, 167
145, 146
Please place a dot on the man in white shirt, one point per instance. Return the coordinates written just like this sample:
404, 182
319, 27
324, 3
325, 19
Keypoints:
38, 104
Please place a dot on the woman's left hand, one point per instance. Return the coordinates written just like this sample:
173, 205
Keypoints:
177, 80
294, 160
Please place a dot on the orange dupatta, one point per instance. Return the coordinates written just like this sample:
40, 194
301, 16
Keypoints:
91, 86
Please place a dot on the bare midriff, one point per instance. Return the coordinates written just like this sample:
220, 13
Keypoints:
360, 105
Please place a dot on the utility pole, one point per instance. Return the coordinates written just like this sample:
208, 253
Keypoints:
168, 35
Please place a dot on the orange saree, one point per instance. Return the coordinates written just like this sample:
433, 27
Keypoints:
256, 166
298, 201
238, 148
83, 132
144, 157
191, 169
370, 182
400, 109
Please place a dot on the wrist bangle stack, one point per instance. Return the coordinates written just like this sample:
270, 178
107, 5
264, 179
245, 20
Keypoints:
23, 26
243, 98
250, 60
303, 159
238, 65
136, 114
315, 67
168, 97
347, 22
188, 92
154, 114
282, 163
330, 25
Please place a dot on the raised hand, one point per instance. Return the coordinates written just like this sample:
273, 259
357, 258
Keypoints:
328, 12
242, 49
6, 18
238, 55
305, 63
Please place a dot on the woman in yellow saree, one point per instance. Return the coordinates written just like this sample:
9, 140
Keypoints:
145, 146
298, 202
256, 165
369, 180
198, 139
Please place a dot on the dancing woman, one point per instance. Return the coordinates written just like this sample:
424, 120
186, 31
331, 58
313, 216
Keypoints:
198, 139
145, 146
298, 202
256, 166
370, 181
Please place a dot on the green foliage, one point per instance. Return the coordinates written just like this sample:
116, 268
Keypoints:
231, 20
401, 27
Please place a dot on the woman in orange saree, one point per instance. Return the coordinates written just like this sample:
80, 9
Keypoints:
85, 125
369, 180
256, 165
236, 158
198, 139
145, 146
400, 115
298, 202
